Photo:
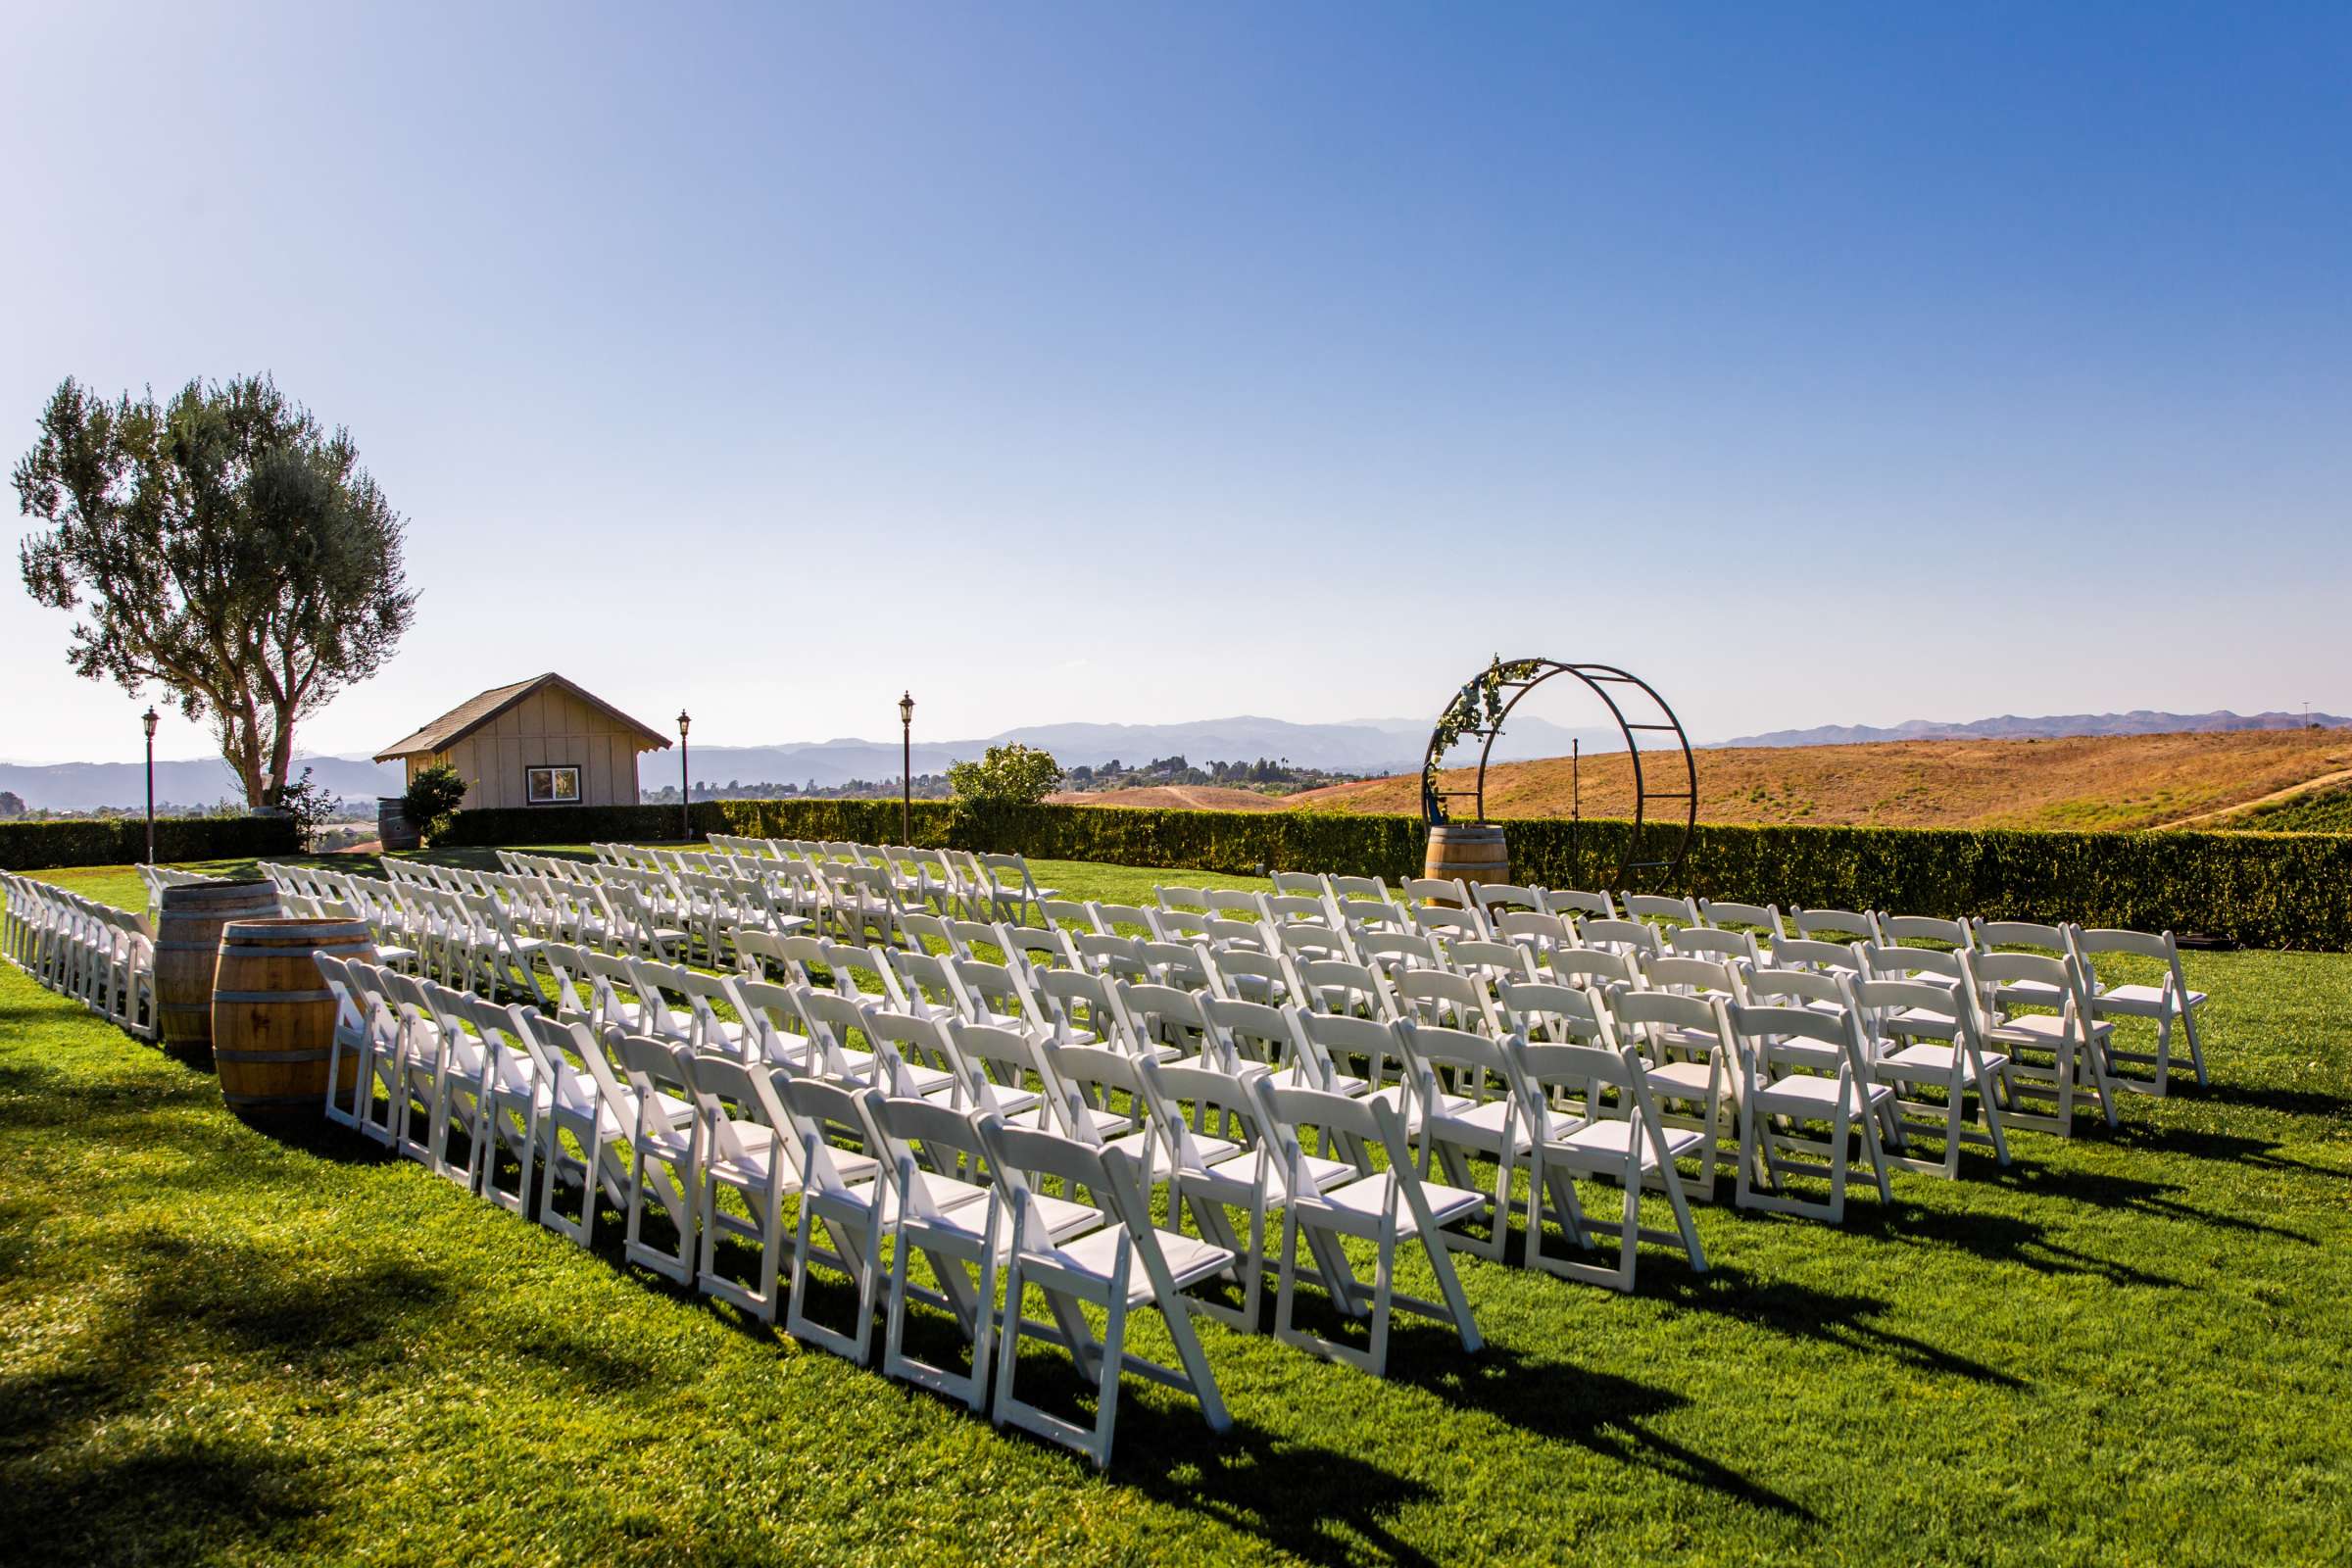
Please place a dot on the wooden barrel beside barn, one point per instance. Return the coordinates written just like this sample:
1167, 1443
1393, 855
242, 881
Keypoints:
187, 947
273, 1019
393, 829
1471, 851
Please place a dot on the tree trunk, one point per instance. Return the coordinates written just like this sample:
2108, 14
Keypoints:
281, 757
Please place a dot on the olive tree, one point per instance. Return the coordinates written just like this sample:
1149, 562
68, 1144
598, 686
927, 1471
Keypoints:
222, 546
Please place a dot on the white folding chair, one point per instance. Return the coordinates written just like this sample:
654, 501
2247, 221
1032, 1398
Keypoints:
1125, 1264
746, 1148
665, 1137
2054, 1056
2168, 1001
1775, 1105
956, 1226
847, 1192
1929, 1036
1385, 1208
1633, 1146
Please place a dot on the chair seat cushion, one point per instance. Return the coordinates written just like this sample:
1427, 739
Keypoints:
1370, 1195
1609, 1138
1683, 1080
2040, 1029
1096, 1255
1481, 1123
1808, 1094
1931, 1059
2143, 995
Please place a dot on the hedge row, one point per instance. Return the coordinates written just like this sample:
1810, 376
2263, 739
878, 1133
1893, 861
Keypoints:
858, 821
118, 841
2266, 889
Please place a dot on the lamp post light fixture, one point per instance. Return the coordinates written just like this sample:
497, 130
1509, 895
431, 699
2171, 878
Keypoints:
685, 781
906, 769
148, 721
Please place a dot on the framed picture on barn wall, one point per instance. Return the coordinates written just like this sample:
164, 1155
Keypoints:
558, 785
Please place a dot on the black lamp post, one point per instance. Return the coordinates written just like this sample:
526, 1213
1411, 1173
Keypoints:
685, 782
906, 769
148, 720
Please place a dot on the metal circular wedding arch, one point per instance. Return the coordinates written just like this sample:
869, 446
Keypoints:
1483, 705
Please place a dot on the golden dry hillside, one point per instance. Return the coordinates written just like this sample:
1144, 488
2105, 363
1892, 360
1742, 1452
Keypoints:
2123, 781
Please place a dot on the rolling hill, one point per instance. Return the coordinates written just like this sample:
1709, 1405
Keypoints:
2014, 727
2126, 781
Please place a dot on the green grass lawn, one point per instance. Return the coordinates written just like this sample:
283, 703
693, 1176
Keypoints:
221, 1345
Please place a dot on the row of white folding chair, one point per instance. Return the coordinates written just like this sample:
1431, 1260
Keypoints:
158, 877
1417, 1120
2037, 1009
2048, 1056
1300, 1048
1958, 1066
2055, 1050
1128, 1065
998, 885
2168, 1003
636, 1117
1607, 961
97, 955
1789, 1069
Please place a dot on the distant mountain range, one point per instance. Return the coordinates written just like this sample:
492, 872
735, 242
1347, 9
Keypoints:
1375, 745
2009, 727
85, 786
1370, 746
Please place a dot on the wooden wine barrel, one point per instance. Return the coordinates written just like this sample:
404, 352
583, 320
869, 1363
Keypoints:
187, 946
1472, 851
393, 829
273, 1019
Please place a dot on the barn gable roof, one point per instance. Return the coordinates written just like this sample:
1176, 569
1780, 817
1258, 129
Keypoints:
476, 712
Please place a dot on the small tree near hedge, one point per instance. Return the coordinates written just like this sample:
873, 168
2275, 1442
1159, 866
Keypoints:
309, 804
432, 798
1007, 775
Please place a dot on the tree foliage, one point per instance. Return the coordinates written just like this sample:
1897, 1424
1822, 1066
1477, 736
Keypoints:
1012, 774
222, 546
432, 798
312, 805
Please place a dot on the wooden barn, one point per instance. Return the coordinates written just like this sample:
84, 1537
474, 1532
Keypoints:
539, 742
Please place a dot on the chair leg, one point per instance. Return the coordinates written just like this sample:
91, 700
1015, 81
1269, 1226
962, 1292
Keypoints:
1008, 1350
1107, 1397
1384, 1282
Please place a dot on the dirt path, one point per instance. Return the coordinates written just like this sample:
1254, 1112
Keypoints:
2308, 786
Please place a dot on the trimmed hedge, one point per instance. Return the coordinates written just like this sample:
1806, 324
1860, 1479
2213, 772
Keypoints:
120, 841
2271, 890
860, 821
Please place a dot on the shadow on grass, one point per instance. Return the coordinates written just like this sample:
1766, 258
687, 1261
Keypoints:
2104, 1191
1597, 1411
2290, 1101
257, 1304
2197, 1144
91, 1476
1251, 1481
182, 1496
1996, 1238
1841, 1319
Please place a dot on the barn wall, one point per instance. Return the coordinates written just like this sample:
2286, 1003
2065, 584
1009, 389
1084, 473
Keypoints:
550, 727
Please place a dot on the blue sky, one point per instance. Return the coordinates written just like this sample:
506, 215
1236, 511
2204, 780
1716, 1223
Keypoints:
1127, 363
